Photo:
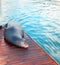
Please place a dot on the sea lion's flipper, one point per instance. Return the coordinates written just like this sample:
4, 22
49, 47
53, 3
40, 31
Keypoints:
5, 26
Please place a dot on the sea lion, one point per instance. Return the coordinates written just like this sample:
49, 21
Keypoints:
13, 33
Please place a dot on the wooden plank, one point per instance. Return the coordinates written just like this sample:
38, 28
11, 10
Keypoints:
12, 55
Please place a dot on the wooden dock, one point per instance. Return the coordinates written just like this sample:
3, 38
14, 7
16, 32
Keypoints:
12, 55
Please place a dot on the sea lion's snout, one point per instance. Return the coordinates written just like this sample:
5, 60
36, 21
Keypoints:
22, 43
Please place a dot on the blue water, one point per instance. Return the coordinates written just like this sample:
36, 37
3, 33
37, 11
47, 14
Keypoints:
43, 30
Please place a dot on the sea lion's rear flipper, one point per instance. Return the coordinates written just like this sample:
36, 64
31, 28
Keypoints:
5, 26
